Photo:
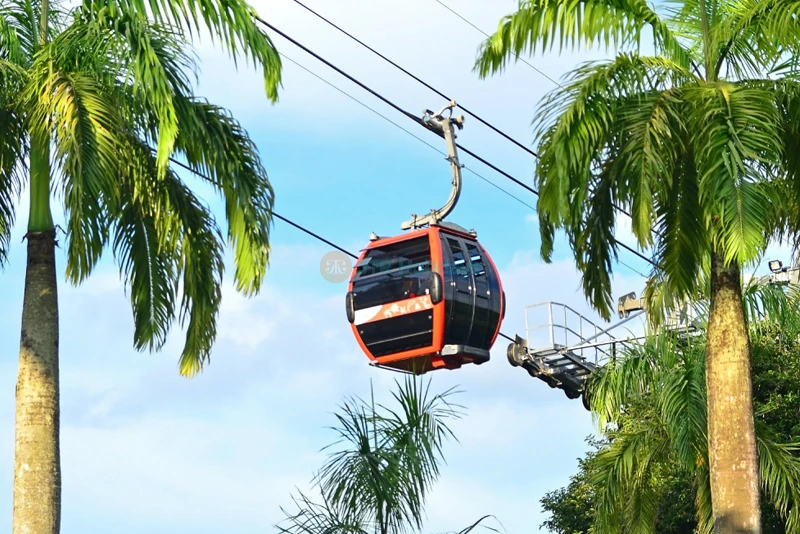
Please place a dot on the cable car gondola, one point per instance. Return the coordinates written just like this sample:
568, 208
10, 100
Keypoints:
431, 298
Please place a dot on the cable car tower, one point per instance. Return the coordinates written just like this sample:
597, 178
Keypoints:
430, 298
568, 347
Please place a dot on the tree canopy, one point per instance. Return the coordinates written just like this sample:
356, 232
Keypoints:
640, 469
381, 469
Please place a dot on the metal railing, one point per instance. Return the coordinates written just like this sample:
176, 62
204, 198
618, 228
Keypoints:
568, 330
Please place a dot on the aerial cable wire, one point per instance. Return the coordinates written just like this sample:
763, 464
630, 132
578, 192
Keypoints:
440, 93
457, 14
288, 221
390, 121
526, 62
419, 121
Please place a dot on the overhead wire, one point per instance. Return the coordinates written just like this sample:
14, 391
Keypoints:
437, 91
273, 213
457, 14
292, 223
529, 64
417, 78
342, 91
419, 121
409, 132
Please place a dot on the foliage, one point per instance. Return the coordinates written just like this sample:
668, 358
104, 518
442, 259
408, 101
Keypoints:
377, 482
109, 90
649, 473
572, 508
698, 143
667, 138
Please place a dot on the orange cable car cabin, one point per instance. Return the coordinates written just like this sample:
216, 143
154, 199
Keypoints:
425, 300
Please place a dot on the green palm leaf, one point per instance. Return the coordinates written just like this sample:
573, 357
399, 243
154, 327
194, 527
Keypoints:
542, 23
735, 204
580, 185
231, 22
217, 148
13, 149
85, 124
20, 28
182, 255
148, 271
316, 518
389, 461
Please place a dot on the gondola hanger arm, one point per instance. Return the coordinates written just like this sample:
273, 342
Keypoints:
443, 126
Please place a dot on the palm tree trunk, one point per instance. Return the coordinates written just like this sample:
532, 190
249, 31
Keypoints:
733, 460
37, 464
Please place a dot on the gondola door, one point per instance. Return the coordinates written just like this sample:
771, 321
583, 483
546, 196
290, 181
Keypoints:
480, 289
463, 304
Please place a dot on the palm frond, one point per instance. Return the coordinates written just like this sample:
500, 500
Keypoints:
682, 248
217, 147
622, 472
770, 306
160, 104
647, 154
152, 59
167, 243
318, 518
629, 375
477, 523
681, 403
363, 481
779, 470
148, 270
543, 23
387, 458
593, 244
13, 149
201, 266
787, 212
726, 148
20, 26
85, 124
418, 431
756, 34
590, 161
231, 22
11, 49
583, 110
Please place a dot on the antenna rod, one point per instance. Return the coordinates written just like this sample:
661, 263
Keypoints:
444, 127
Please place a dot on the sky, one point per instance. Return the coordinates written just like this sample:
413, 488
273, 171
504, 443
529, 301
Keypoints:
145, 450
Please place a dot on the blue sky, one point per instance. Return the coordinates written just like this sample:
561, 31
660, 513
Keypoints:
144, 450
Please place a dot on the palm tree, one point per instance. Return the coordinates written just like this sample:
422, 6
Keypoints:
652, 405
699, 142
378, 481
93, 105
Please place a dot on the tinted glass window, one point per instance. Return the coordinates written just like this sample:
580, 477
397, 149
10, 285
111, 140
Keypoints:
458, 266
392, 273
411, 256
478, 267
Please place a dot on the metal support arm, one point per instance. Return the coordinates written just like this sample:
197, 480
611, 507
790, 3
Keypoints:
444, 127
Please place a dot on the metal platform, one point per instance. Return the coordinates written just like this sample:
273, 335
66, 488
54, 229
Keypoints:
563, 347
